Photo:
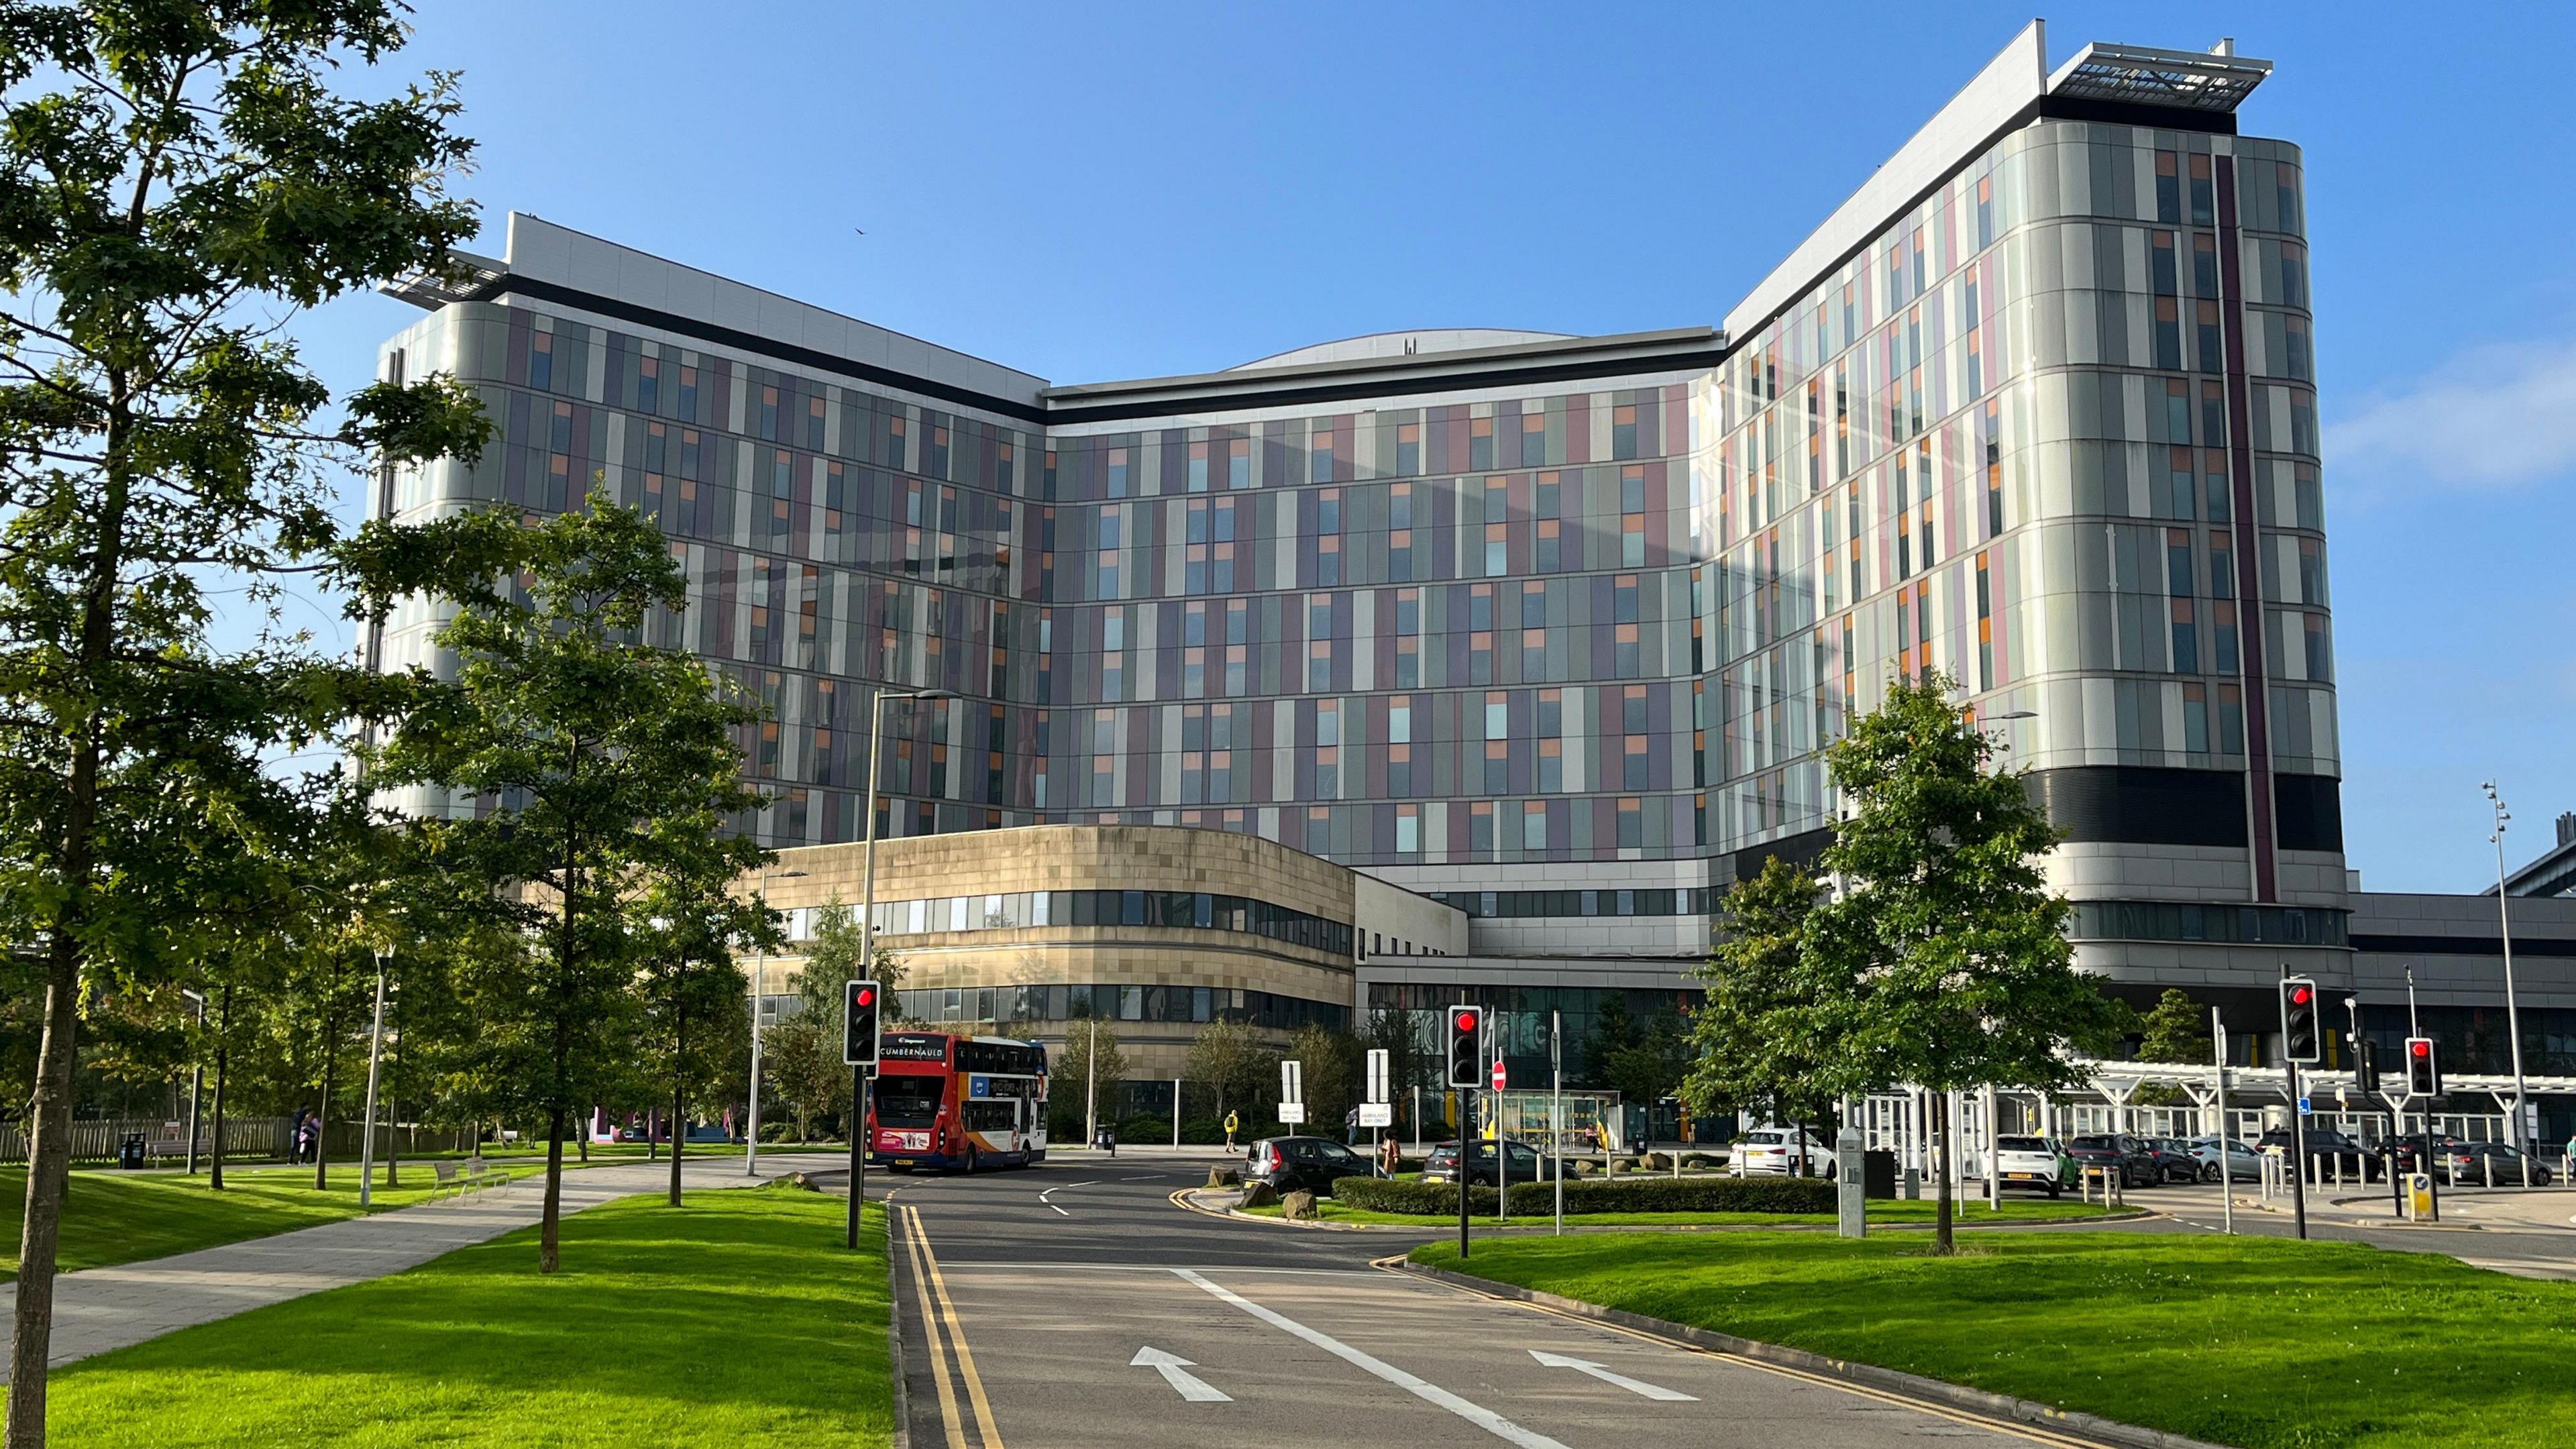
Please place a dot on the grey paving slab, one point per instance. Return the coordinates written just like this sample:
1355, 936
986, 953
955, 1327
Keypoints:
107, 1308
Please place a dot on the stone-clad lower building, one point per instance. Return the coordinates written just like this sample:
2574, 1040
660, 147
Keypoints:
1549, 629
1157, 929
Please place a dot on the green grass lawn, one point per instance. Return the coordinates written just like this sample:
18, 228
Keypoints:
1881, 1211
2260, 1342
737, 1321
125, 1217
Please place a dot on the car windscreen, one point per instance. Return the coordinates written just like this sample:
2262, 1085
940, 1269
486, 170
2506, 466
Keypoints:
2095, 1144
909, 1101
2020, 1144
1766, 1138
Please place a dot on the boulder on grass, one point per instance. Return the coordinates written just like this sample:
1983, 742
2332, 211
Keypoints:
1259, 1194
1299, 1204
1225, 1177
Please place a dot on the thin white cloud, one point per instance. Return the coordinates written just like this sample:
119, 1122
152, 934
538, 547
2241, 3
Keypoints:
2486, 420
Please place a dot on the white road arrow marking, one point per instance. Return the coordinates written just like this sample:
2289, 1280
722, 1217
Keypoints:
1189, 1386
1635, 1386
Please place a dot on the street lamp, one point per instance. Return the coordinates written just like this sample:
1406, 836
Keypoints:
868, 941
2504, 924
375, 1060
759, 996
197, 1077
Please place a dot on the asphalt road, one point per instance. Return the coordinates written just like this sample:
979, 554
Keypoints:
1075, 1305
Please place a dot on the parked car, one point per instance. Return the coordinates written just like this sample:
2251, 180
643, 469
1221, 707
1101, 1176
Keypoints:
2244, 1164
1774, 1152
1442, 1164
2174, 1159
2137, 1166
2325, 1146
2476, 1164
1312, 1163
2032, 1162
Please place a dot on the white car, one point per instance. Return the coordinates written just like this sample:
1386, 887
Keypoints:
2037, 1163
1773, 1152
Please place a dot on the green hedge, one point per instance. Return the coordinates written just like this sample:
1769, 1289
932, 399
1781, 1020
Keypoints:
1598, 1195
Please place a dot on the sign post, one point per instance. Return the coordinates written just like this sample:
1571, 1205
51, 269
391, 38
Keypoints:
1378, 1110
1292, 1093
1556, 1108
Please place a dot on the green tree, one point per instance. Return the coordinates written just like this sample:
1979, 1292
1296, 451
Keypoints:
604, 759
174, 180
1088, 1095
1943, 959
1614, 1030
2176, 1029
802, 1054
1331, 1064
1228, 1058
694, 921
1755, 1041
1652, 1064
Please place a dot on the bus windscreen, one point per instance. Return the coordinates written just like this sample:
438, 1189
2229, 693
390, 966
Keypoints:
909, 1101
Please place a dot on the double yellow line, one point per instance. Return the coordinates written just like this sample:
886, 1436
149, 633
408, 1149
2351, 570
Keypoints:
931, 1288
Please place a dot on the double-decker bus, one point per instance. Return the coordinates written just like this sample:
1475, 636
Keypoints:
968, 1102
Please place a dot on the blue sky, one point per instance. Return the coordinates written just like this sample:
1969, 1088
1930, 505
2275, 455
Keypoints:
1097, 192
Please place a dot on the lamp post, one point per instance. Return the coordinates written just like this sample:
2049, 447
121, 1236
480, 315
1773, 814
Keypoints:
2504, 924
759, 993
868, 941
196, 1078
375, 1061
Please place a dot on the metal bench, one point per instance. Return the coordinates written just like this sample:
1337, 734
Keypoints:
464, 1177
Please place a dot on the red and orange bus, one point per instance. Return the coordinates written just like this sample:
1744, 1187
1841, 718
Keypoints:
965, 1102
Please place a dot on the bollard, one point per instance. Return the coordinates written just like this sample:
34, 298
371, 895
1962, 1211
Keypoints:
1851, 1184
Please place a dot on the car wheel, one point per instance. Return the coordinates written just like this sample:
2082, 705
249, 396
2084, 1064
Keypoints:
2209, 1172
2054, 1190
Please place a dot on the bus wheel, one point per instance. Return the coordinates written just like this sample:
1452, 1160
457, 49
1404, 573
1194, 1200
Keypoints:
970, 1161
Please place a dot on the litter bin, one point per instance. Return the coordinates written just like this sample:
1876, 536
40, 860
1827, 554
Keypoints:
129, 1153
1878, 1173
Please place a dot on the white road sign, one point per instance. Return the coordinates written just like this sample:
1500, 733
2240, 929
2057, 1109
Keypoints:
1377, 1114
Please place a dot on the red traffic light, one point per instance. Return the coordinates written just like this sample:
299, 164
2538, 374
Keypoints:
865, 996
2420, 1047
1466, 1021
2300, 994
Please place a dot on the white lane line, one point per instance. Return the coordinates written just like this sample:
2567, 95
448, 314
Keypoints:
1189, 1386
1476, 1414
1656, 1392
1059, 1212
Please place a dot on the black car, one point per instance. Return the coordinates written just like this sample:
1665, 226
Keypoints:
2325, 1146
1442, 1164
2138, 1165
2478, 1164
2175, 1161
1312, 1163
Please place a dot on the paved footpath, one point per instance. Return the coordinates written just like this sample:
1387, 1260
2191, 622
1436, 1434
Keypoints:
105, 1308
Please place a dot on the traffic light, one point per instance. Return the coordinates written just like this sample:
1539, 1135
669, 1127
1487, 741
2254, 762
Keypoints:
2299, 1020
860, 1000
2423, 1068
1466, 1046
2367, 1069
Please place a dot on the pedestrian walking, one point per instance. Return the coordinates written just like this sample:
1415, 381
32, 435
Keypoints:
1389, 1156
1230, 1125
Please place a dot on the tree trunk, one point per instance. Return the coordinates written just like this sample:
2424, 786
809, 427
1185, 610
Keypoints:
549, 1248
1943, 1243
48, 1172
50, 1106
679, 1077
223, 1059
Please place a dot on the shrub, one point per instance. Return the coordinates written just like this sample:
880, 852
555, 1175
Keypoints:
1598, 1195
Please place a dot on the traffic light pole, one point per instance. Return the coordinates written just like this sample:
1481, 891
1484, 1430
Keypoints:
2298, 1151
858, 1148
1466, 1139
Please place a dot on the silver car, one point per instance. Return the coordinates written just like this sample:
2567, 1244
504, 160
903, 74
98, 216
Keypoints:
2243, 1162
